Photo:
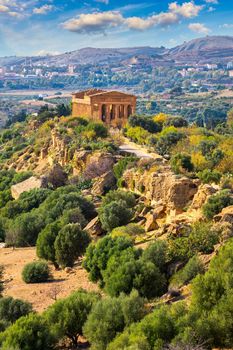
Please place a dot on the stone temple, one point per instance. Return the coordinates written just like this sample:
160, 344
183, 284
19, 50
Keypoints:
111, 107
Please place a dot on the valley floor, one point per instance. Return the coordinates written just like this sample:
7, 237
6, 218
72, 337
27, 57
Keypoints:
39, 294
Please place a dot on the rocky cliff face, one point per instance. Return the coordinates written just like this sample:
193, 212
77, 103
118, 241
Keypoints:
170, 190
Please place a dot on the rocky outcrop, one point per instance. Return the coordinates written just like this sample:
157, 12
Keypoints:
203, 193
226, 215
94, 227
172, 191
98, 164
27, 185
103, 183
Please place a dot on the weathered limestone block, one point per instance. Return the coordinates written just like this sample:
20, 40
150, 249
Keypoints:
203, 193
103, 183
27, 185
94, 227
151, 223
173, 191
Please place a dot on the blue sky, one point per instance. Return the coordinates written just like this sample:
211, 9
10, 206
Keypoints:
30, 27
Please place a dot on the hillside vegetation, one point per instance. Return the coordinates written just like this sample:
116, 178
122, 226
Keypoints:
153, 234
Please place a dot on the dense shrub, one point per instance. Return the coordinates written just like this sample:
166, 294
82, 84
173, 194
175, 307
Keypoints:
181, 163
67, 317
98, 254
129, 231
45, 242
188, 272
125, 272
115, 314
70, 243
200, 238
208, 176
145, 122
122, 165
177, 122
99, 129
115, 214
24, 230
27, 333
216, 203
166, 142
114, 196
36, 272
12, 309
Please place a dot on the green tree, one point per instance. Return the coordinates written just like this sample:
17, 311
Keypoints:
115, 214
70, 244
115, 314
36, 272
45, 242
12, 309
27, 333
24, 230
67, 317
181, 163
216, 203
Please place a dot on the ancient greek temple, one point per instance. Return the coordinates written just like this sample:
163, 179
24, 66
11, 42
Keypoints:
111, 107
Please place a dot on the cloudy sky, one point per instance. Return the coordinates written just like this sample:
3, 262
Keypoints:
29, 27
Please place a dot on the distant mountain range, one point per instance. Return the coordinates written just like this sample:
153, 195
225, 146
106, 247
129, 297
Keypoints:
210, 49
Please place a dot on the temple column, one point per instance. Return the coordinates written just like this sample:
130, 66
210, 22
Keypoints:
108, 119
125, 111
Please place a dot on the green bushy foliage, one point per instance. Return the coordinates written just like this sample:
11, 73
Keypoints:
193, 267
97, 255
208, 176
24, 230
99, 129
181, 163
67, 317
216, 203
27, 333
36, 272
146, 123
122, 165
177, 122
166, 142
201, 239
12, 309
115, 214
114, 196
70, 243
45, 242
115, 314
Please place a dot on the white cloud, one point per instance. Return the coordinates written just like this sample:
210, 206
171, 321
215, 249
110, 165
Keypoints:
211, 1
187, 9
106, 2
227, 25
199, 28
101, 21
43, 10
94, 22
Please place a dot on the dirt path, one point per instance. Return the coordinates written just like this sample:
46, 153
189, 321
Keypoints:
140, 151
39, 294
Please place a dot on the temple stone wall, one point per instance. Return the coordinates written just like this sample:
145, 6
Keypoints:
112, 108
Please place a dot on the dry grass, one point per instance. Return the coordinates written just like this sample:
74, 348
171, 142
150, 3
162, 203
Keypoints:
41, 295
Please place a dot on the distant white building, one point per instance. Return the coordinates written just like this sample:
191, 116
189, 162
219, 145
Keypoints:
211, 66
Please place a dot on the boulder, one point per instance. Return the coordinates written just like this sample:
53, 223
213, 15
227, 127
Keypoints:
27, 185
162, 186
151, 223
94, 227
203, 193
98, 164
103, 183
226, 215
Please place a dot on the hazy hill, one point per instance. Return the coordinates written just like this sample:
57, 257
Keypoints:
207, 49
210, 47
